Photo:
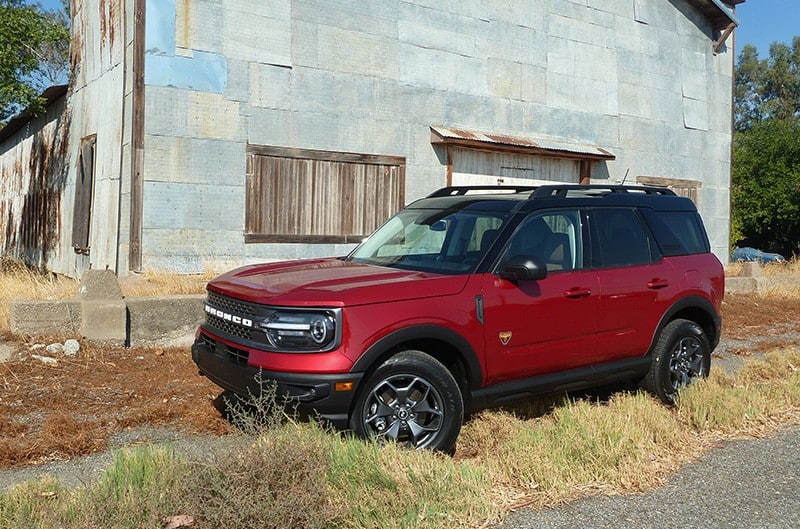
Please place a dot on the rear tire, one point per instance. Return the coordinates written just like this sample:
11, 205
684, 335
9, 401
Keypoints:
411, 399
681, 355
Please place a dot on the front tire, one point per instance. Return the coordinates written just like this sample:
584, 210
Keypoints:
410, 399
681, 355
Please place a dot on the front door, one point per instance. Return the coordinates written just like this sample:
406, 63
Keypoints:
548, 325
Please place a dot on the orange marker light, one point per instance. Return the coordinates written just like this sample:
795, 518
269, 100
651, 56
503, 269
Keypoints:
343, 386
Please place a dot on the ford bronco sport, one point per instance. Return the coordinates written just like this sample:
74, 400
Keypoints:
472, 297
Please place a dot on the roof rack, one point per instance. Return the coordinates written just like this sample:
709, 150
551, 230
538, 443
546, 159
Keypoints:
463, 190
561, 191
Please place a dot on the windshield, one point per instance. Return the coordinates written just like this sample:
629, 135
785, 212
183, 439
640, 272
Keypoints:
447, 242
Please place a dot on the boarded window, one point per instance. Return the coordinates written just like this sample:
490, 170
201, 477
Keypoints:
298, 195
681, 187
84, 186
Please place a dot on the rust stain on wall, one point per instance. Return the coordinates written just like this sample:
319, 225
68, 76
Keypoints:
76, 39
30, 212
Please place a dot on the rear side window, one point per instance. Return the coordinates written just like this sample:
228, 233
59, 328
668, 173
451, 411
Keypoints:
618, 238
678, 232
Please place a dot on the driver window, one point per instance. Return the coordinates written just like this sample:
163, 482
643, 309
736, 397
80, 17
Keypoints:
554, 237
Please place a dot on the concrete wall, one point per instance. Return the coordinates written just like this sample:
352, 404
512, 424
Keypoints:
637, 78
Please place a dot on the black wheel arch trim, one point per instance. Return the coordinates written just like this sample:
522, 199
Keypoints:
371, 357
690, 302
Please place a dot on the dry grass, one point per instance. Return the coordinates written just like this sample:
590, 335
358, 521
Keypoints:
790, 268
18, 282
542, 453
299, 475
154, 283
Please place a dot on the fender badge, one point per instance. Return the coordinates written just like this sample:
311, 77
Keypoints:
505, 337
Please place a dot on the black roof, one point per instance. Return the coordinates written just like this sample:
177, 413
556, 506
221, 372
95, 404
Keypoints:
529, 198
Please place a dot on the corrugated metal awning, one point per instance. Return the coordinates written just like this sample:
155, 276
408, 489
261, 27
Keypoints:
522, 145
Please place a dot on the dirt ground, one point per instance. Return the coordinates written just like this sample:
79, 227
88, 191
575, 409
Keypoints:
73, 408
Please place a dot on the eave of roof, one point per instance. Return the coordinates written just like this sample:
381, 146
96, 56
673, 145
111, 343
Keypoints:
50, 95
718, 12
517, 144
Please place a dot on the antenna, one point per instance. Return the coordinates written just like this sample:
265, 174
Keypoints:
628, 170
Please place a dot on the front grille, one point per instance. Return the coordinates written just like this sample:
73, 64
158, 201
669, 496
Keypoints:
236, 319
241, 308
228, 327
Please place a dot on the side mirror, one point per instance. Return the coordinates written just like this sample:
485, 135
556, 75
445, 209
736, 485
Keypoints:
523, 267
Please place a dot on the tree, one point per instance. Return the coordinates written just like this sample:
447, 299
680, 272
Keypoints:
767, 88
766, 185
765, 190
34, 54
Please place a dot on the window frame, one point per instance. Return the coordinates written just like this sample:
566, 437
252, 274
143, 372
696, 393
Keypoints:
83, 199
257, 207
581, 241
654, 250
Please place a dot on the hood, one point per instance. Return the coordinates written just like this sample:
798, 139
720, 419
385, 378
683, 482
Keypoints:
331, 282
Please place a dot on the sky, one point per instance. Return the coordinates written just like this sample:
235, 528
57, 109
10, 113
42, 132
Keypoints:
761, 22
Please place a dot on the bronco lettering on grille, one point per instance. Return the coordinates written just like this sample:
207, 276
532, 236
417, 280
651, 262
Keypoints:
226, 316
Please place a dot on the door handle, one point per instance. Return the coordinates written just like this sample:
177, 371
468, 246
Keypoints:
577, 292
657, 283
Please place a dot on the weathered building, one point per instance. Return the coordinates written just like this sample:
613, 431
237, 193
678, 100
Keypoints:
207, 133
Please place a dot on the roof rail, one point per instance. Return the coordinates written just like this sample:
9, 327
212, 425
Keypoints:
463, 190
561, 191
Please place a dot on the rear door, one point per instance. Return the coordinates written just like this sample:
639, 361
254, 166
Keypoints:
637, 284
538, 327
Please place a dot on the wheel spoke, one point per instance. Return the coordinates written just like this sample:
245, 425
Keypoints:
381, 409
696, 365
393, 431
418, 429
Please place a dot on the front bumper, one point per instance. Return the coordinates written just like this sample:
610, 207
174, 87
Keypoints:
311, 394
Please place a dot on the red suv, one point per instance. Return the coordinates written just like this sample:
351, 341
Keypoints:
471, 297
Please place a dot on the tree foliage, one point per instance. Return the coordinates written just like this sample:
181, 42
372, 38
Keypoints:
765, 191
767, 88
34, 53
766, 185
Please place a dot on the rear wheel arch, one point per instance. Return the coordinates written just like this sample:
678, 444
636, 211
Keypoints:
693, 308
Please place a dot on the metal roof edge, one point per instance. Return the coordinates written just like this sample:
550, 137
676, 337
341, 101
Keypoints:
441, 134
50, 95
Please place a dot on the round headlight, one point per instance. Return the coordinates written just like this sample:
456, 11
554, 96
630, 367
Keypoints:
301, 331
319, 330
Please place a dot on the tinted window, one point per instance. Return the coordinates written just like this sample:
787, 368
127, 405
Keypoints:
618, 238
553, 236
678, 232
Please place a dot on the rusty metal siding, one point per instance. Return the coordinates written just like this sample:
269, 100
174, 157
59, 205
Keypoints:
302, 197
33, 176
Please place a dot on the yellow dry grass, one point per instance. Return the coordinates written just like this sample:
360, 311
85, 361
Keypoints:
18, 282
159, 283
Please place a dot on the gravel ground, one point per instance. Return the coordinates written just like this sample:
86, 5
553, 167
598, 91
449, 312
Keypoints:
743, 484
84, 470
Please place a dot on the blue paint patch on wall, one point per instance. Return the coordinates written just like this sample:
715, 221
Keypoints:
202, 71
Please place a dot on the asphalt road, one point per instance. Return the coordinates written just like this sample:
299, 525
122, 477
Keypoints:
744, 484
